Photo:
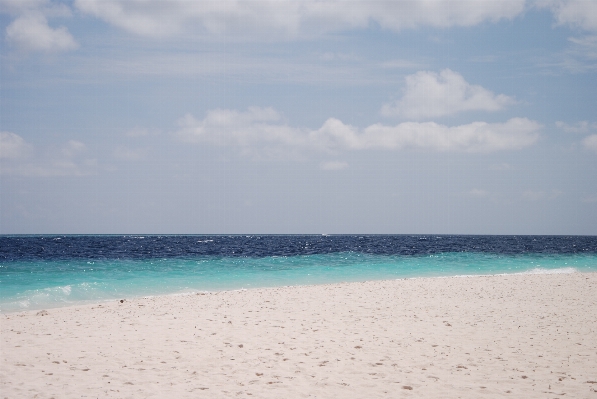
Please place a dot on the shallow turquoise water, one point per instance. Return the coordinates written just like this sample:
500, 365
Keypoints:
46, 284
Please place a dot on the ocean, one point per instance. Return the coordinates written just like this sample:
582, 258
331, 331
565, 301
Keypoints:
41, 272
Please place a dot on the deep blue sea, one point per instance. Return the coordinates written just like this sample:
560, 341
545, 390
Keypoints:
50, 271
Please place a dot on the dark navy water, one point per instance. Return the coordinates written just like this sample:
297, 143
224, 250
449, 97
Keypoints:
20, 248
48, 271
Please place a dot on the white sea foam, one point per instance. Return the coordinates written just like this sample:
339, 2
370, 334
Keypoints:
538, 270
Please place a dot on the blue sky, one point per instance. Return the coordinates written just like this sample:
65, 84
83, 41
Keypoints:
433, 117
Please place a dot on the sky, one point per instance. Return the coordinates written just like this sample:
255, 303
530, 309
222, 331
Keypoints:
298, 117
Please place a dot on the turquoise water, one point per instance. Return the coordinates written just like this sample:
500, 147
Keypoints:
37, 284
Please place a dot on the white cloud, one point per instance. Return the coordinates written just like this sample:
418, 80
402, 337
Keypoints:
575, 13
590, 142
280, 19
429, 94
12, 146
63, 161
334, 165
261, 128
579, 127
31, 32
514, 134
585, 46
581, 55
230, 127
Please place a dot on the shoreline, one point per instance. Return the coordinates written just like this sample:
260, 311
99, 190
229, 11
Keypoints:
35, 308
530, 334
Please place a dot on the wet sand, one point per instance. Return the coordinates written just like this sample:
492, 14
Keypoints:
532, 336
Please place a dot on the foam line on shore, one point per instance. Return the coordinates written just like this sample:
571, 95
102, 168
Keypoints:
53, 305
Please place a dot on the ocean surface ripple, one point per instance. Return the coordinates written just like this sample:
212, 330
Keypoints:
48, 271
191, 246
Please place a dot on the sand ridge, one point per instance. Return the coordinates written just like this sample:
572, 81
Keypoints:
493, 336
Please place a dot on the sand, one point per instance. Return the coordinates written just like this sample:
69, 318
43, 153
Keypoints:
531, 336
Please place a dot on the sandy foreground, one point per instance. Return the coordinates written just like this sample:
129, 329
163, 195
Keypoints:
531, 336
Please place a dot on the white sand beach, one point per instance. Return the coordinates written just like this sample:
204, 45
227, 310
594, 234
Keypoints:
523, 336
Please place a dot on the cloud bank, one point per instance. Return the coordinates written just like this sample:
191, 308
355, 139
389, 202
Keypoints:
30, 30
291, 18
579, 127
428, 94
32, 33
16, 158
262, 128
575, 13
